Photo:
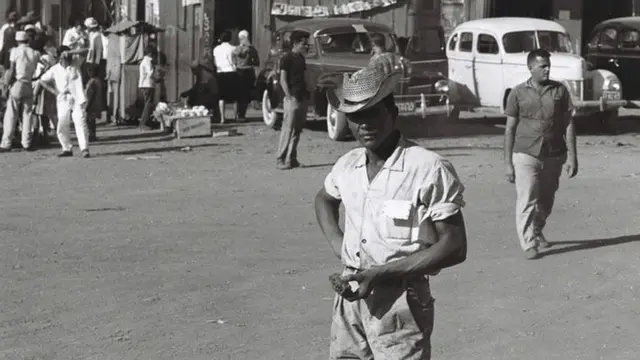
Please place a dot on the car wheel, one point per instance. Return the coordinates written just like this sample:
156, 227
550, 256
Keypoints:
337, 126
270, 117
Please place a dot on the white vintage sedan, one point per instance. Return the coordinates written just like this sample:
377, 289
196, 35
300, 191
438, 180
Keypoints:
488, 57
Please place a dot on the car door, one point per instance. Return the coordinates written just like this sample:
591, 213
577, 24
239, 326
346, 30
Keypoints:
607, 44
460, 55
629, 62
487, 69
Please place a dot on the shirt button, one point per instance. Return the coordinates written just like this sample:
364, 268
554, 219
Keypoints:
358, 254
364, 241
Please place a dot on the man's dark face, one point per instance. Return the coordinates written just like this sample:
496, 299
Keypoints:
372, 126
540, 69
302, 46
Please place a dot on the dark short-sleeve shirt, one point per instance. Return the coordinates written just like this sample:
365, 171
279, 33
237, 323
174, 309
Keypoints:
295, 65
543, 116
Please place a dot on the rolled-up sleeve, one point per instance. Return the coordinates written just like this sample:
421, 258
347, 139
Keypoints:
331, 182
512, 107
442, 192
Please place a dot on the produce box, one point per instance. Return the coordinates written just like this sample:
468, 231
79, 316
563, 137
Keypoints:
193, 126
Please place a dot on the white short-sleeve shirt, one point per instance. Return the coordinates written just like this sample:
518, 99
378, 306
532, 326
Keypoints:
392, 217
66, 80
223, 55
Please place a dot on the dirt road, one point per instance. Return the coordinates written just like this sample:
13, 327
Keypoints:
152, 250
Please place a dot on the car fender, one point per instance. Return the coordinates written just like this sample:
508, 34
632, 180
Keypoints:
600, 81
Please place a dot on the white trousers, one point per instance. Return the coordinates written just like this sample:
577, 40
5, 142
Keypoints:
66, 113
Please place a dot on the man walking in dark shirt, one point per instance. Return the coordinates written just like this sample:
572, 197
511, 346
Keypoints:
292, 68
540, 137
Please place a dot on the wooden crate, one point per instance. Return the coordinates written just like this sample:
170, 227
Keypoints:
194, 126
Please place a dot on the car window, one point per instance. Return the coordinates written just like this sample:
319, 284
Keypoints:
608, 39
466, 42
525, 41
453, 42
629, 39
353, 43
487, 44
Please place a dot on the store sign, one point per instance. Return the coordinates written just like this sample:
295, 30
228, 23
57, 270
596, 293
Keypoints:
191, 2
281, 9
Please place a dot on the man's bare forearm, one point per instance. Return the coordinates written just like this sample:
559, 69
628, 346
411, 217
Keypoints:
328, 216
449, 250
509, 139
572, 147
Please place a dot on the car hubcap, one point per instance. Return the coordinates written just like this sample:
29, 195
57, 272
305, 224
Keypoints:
332, 116
267, 113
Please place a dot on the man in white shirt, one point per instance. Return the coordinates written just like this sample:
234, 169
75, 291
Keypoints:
24, 61
147, 86
65, 81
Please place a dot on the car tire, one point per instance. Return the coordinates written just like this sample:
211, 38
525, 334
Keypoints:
337, 125
270, 117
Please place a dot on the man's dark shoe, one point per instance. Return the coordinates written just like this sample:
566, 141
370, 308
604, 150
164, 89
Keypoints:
30, 148
65, 154
296, 164
86, 154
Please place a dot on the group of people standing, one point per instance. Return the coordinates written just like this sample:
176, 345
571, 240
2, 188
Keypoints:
234, 77
47, 86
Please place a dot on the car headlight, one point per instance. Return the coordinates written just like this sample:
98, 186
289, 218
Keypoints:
612, 84
442, 86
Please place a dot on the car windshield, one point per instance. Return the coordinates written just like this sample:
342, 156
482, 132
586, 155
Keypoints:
525, 41
352, 43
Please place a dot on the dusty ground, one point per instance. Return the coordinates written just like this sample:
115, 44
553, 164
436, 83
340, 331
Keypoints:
150, 252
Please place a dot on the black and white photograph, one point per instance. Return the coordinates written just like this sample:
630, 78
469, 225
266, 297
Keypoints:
342, 180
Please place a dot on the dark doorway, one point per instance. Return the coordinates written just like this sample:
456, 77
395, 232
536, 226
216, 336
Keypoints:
233, 15
597, 11
542, 9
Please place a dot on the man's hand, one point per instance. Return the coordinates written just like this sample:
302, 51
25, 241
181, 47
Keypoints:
366, 281
510, 173
571, 167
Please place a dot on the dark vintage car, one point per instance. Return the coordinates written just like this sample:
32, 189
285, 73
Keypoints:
338, 46
614, 45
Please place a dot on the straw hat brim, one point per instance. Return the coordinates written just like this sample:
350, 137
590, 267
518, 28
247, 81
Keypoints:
339, 103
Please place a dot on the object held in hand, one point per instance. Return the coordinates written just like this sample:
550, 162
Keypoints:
340, 286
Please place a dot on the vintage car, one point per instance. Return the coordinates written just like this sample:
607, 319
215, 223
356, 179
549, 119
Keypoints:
614, 45
488, 57
338, 46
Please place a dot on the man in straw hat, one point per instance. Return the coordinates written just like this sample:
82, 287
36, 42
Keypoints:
24, 61
403, 221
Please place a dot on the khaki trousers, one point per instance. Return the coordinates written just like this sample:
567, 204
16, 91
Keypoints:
19, 106
395, 322
295, 115
537, 181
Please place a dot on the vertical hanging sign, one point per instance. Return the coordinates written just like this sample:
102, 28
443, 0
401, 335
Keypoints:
208, 28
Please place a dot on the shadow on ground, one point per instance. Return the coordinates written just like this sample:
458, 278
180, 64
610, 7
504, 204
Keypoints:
588, 244
157, 150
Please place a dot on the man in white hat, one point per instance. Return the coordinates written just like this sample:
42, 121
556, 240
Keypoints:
24, 61
403, 221
95, 54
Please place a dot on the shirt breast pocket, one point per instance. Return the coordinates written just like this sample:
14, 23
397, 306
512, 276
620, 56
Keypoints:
397, 219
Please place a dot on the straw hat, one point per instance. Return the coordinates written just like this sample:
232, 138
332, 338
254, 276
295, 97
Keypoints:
366, 87
91, 23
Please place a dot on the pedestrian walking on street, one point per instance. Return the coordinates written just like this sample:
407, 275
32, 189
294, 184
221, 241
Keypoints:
539, 119
403, 221
246, 60
226, 73
64, 80
23, 63
146, 84
292, 68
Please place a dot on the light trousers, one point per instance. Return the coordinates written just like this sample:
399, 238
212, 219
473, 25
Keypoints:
537, 181
67, 112
19, 106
